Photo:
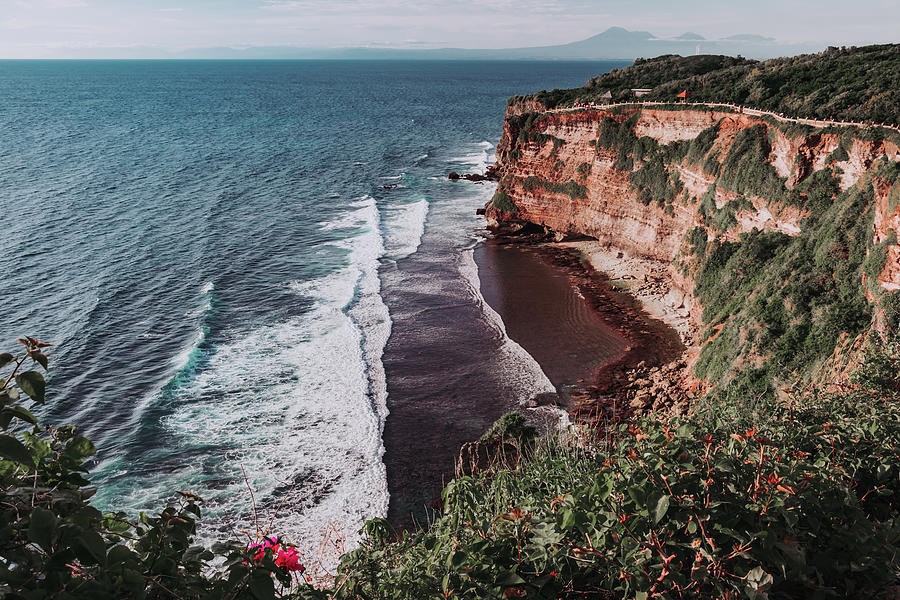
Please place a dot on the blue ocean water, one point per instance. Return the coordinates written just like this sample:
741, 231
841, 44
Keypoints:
212, 248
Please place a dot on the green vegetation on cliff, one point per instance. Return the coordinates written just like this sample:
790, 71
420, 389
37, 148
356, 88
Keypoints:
571, 188
858, 84
503, 201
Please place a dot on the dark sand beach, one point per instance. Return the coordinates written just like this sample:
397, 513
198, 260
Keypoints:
546, 313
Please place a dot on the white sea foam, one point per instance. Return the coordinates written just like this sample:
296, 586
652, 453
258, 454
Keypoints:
404, 227
181, 360
527, 376
478, 159
184, 358
300, 405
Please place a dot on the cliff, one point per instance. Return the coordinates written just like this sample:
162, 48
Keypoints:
709, 192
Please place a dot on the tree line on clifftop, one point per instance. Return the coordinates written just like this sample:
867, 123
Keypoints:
841, 84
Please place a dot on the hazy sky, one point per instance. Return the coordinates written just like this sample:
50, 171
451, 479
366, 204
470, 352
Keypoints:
31, 28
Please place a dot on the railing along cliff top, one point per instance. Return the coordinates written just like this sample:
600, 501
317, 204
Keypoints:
753, 112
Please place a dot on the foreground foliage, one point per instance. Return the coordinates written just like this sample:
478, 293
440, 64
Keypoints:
799, 503
741, 500
54, 544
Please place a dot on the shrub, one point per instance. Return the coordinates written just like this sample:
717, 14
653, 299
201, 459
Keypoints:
701, 145
696, 239
839, 154
570, 188
746, 170
503, 201
511, 425
725, 218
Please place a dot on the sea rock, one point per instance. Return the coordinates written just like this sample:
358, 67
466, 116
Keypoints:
490, 175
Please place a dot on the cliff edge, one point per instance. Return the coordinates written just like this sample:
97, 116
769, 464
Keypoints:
775, 238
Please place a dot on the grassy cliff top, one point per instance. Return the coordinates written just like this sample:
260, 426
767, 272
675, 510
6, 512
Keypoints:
857, 83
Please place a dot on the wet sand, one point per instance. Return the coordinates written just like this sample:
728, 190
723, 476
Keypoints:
546, 313
584, 331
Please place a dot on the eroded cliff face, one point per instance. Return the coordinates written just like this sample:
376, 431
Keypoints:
886, 228
560, 173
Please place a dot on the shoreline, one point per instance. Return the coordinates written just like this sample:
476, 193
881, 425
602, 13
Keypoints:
629, 295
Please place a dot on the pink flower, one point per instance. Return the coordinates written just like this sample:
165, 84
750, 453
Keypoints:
286, 558
259, 550
289, 559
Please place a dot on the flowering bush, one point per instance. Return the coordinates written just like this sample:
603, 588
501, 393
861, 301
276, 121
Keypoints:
286, 557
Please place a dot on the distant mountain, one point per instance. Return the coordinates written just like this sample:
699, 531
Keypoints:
749, 37
614, 43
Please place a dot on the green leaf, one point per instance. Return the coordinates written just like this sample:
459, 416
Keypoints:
510, 578
262, 587
659, 511
637, 494
13, 449
568, 519
42, 529
32, 383
41, 359
685, 432
119, 555
80, 447
640, 596
6, 358
16, 412
93, 546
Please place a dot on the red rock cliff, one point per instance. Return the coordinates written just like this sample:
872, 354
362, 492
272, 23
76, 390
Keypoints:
558, 176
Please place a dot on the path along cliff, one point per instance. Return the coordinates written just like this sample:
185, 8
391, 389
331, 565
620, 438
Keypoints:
763, 241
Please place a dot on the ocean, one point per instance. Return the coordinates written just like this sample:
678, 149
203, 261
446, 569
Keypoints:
249, 267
